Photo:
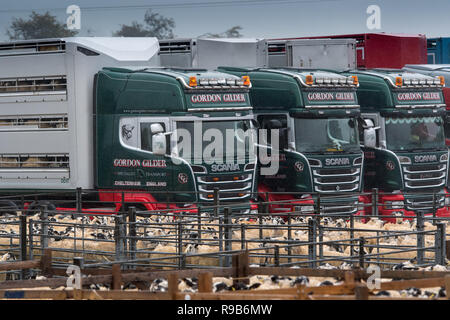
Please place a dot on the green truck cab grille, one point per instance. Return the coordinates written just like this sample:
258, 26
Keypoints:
428, 176
425, 202
344, 208
337, 179
232, 186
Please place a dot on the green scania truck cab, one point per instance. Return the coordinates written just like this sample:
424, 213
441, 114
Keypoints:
169, 129
319, 154
405, 156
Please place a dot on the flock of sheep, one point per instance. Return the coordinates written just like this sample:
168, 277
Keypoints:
157, 237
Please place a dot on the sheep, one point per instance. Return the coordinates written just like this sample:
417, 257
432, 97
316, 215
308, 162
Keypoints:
187, 285
8, 257
159, 285
436, 267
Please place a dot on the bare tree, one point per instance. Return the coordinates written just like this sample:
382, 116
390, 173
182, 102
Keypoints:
156, 25
38, 26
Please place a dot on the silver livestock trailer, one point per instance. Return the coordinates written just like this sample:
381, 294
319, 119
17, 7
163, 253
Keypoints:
46, 99
338, 54
210, 53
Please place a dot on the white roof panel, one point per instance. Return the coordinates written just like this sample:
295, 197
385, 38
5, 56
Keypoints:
429, 67
120, 48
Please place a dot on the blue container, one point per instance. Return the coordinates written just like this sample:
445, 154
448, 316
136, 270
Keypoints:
438, 50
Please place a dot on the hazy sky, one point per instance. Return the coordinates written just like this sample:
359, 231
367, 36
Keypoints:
258, 18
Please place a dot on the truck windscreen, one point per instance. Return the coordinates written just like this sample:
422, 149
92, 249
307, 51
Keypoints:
220, 141
326, 135
414, 133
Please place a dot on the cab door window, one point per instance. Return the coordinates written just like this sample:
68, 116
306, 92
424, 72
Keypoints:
146, 135
270, 122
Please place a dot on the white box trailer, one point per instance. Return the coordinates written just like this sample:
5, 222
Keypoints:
210, 53
431, 70
46, 106
338, 54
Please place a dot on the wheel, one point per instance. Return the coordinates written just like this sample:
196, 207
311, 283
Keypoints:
8, 207
34, 207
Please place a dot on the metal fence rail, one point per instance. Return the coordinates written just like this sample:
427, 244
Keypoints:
209, 236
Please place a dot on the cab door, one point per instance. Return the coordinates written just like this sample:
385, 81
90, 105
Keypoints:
277, 181
155, 171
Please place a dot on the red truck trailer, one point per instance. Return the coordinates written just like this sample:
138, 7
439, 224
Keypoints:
381, 50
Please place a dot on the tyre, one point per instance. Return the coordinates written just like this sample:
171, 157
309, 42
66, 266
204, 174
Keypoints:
35, 207
8, 207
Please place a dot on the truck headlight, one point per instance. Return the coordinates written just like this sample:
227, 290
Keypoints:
447, 201
404, 160
444, 157
304, 209
393, 205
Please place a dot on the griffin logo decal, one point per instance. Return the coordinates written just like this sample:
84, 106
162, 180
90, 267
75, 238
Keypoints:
127, 131
299, 166
390, 165
182, 178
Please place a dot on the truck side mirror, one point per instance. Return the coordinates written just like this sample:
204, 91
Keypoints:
370, 138
156, 128
159, 144
274, 124
255, 124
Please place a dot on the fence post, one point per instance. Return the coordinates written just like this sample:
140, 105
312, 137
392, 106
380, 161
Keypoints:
31, 238
132, 233
434, 208
79, 200
221, 240
44, 227
320, 240
447, 248
122, 203
352, 227
375, 202
79, 261
116, 283
361, 252
361, 292
228, 235
172, 280
240, 267
180, 244
420, 237
318, 204
260, 222
243, 226
205, 282
216, 201
118, 237
46, 263
199, 225
312, 246
289, 236
276, 254
439, 242
23, 243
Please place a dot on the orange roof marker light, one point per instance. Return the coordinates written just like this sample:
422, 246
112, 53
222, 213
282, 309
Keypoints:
355, 80
442, 79
309, 80
398, 81
246, 80
192, 81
